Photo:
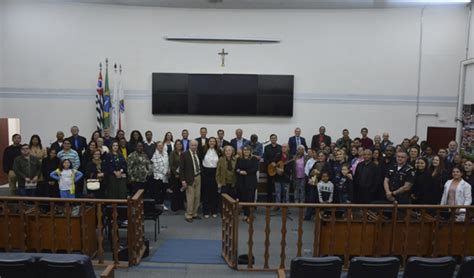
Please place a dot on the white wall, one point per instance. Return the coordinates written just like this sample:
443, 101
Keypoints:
352, 68
2, 39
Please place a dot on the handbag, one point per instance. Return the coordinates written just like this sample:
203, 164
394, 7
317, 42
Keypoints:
93, 184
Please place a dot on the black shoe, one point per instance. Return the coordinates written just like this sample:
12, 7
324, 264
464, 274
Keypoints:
197, 217
189, 220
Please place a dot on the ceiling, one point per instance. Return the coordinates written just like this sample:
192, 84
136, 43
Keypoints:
274, 4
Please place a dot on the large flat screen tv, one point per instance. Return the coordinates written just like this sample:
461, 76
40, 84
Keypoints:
222, 94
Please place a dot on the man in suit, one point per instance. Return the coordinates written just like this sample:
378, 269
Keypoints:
295, 141
185, 141
270, 156
221, 142
320, 138
238, 142
190, 176
79, 144
58, 144
202, 141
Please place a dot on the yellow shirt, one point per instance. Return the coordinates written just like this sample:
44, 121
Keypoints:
124, 152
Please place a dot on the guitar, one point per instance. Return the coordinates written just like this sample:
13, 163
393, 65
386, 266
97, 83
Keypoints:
278, 168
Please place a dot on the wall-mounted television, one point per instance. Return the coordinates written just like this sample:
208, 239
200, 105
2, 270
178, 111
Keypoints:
222, 94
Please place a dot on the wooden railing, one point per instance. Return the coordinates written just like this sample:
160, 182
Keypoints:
344, 230
32, 224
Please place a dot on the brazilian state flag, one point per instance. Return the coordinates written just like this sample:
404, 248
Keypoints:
107, 104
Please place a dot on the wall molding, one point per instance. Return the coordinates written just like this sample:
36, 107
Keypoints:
317, 97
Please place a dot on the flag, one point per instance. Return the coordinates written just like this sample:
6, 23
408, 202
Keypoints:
107, 104
115, 105
99, 102
121, 96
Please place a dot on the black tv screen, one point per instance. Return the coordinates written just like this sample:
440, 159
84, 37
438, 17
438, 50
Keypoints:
222, 94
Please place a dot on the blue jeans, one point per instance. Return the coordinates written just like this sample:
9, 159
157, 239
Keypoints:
300, 190
282, 188
26, 192
66, 194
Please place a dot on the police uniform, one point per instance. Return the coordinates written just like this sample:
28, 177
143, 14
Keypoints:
398, 178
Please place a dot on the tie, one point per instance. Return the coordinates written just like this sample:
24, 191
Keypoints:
76, 143
196, 164
298, 141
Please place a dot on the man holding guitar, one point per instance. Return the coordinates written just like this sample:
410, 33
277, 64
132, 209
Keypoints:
270, 158
283, 174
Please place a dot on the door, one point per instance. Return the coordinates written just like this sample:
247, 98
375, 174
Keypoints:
439, 137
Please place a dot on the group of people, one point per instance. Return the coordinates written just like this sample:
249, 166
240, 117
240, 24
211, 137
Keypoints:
191, 172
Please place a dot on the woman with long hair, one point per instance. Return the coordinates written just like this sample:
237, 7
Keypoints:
457, 192
424, 190
246, 169
225, 173
116, 173
168, 142
135, 137
95, 135
91, 148
440, 175
95, 170
36, 148
209, 185
178, 195
49, 187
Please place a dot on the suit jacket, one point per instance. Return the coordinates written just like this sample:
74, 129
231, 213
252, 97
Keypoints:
82, 144
292, 144
186, 168
315, 141
55, 146
233, 143
366, 180
225, 143
200, 149
185, 147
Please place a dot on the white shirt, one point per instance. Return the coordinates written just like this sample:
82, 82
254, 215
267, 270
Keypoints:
161, 166
65, 182
197, 168
308, 166
210, 159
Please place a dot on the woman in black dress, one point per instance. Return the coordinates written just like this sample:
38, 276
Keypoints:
424, 190
49, 187
440, 175
95, 170
246, 170
178, 195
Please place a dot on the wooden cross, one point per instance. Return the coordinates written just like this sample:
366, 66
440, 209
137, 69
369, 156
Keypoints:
223, 54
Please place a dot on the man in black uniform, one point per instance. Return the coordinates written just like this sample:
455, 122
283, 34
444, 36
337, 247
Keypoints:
399, 180
269, 157
387, 162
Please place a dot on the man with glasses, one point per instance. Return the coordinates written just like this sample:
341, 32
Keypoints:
27, 169
399, 180
69, 153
